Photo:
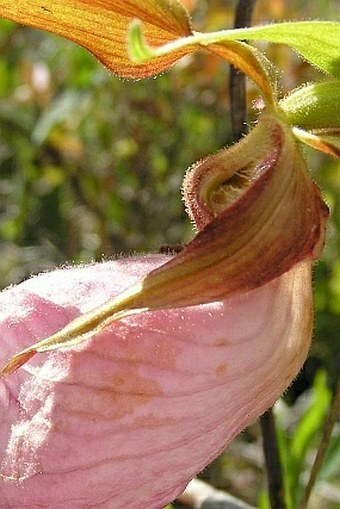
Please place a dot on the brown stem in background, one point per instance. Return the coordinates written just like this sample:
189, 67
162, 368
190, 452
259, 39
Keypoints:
237, 84
238, 109
272, 461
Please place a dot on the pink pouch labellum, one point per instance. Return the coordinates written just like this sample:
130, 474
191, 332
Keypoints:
128, 418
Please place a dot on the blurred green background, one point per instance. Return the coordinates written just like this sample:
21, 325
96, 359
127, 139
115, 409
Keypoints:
91, 166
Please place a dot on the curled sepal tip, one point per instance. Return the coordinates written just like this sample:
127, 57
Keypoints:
325, 140
258, 214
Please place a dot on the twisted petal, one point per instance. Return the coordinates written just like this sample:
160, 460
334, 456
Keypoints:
275, 220
127, 419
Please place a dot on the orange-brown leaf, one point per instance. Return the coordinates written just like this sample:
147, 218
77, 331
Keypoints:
101, 26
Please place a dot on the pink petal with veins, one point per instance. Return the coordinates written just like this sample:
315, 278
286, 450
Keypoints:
127, 418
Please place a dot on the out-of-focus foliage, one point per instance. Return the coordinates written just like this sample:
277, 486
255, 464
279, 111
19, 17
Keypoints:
91, 165
299, 426
299, 429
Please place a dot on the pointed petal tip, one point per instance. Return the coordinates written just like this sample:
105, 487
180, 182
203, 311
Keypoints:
16, 362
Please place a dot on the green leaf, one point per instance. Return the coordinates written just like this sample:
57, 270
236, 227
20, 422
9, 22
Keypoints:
293, 449
284, 442
315, 106
331, 466
317, 41
263, 500
312, 420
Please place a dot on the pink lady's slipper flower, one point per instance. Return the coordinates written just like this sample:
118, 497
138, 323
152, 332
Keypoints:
126, 419
149, 366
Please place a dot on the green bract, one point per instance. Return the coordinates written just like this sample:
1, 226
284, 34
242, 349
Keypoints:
315, 106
